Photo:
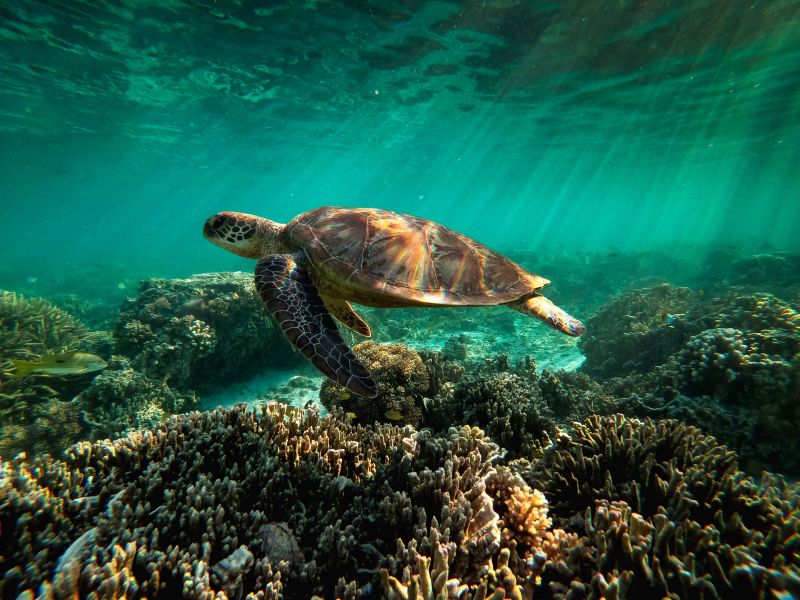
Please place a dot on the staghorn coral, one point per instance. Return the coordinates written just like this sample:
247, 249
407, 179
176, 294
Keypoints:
182, 508
200, 331
402, 380
659, 557
618, 458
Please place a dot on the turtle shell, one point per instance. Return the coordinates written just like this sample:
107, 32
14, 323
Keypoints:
377, 253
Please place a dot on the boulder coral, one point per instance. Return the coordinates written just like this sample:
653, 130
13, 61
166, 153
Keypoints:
402, 379
200, 331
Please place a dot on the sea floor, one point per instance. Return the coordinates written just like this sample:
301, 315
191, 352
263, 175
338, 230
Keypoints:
300, 387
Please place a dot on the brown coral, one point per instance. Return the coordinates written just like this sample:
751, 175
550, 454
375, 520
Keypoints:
686, 490
31, 418
188, 329
190, 494
402, 380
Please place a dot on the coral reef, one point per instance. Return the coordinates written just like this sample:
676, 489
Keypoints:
516, 406
31, 418
668, 512
201, 331
729, 364
636, 331
507, 405
283, 503
402, 380
121, 399
239, 501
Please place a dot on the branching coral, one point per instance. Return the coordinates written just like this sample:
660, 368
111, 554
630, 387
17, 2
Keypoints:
507, 405
695, 513
282, 503
735, 374
191, 493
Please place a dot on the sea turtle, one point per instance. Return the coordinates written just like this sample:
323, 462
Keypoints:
316, 264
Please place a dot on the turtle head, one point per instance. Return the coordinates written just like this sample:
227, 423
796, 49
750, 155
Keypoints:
246, 235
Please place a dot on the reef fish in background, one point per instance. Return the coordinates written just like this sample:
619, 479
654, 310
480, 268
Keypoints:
393, 415
66, 363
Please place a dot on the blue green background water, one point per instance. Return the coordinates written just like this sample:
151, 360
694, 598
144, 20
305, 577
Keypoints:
546, 126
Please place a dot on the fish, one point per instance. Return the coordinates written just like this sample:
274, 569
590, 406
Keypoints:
393, 415
65, 363
351, 415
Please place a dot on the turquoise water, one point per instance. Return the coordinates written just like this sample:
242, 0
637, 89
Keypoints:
620, 125
641, 155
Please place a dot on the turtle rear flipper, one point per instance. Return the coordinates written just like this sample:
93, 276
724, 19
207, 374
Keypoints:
298, 309
540, 307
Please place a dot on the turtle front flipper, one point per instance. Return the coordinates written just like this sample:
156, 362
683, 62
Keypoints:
294, 302
540, 307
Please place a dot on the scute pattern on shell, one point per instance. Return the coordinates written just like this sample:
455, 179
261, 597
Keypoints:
384, 252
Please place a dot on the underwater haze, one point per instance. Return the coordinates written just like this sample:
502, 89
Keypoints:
560, 125
535, 335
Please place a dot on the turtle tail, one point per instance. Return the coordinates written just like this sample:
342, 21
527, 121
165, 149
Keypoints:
540, 307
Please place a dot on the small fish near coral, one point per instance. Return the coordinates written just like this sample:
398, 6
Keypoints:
310, 269
65, 363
